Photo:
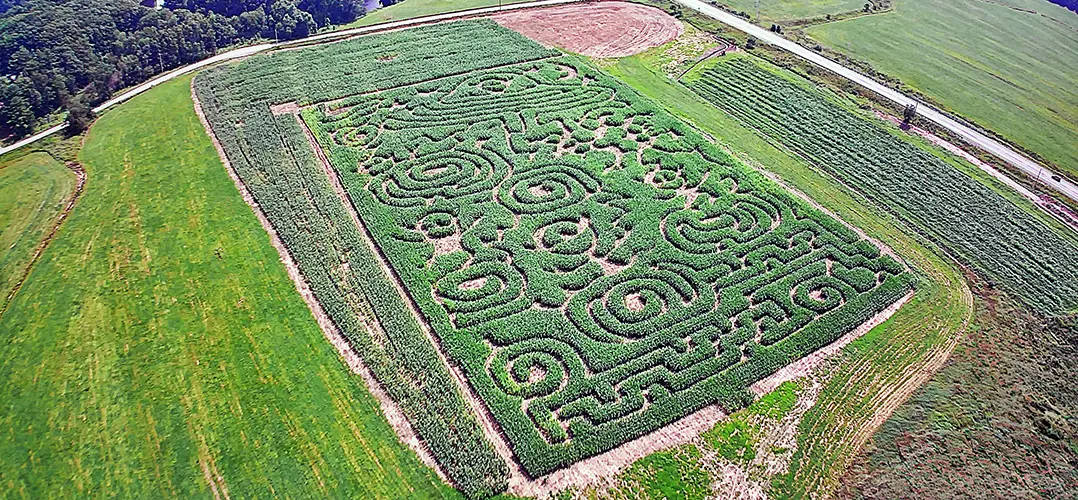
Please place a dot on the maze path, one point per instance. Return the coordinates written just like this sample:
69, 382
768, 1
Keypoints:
596, 268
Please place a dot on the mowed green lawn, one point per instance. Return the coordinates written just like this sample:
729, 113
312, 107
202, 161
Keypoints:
788, 10
1008, 70
159, 346
33, 191
418, 8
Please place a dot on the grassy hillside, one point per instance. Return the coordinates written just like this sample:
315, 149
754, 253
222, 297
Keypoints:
786, 10
419, 8
33, 191
159, 345
1009, 70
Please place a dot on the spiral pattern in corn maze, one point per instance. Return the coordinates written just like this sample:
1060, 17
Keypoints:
596, 268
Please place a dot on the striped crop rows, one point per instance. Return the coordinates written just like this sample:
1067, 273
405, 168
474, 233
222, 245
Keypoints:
277, 164
1011, 247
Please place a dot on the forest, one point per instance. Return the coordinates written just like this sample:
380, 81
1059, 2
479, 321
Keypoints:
69, 55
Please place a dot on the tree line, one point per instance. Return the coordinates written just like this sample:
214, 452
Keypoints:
60, 56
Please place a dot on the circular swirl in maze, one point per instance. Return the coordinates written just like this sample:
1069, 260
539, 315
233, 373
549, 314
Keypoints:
703, 231
637, 303
476, 291
448, 175
534, 368
821, 293
547, 188
566, 237
438, 224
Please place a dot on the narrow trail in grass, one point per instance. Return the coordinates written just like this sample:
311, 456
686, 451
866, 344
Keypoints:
80, 175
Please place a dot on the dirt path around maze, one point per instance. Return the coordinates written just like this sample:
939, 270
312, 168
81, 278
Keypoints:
595, 29
80, 175
390, 409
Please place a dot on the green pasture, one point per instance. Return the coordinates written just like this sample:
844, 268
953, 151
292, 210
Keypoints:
33, 190
159, 349
1006, 69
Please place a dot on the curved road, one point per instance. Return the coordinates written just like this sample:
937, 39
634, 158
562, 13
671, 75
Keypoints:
996, 148
255, 49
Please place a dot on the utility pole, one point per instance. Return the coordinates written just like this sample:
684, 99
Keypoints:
757, 10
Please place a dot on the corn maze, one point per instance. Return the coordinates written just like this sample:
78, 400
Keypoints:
594, 267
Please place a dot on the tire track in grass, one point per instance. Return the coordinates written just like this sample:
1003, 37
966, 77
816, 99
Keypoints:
80, 174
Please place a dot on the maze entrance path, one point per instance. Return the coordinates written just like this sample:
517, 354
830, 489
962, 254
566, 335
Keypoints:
595, 268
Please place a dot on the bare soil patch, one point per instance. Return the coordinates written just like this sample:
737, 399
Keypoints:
606, 29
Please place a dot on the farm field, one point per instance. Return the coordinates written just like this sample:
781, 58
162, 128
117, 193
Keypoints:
875, 372
601, 30
789, 10
419, 8
1003, 68
1006, 243
160, 350
550, 225
33, 191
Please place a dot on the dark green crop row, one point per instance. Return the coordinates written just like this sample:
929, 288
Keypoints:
275, 161
596, 268
1012, 248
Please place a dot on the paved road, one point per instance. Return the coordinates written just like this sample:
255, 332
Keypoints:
968, 134
255, 49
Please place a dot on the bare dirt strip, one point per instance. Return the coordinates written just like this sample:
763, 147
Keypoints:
595, 29
80, 173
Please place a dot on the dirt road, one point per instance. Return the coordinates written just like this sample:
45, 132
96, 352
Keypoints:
968, 134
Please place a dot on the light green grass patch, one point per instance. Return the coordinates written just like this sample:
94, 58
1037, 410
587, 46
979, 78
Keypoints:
33, 191
159, 343
788, 10
411, 9
676, 474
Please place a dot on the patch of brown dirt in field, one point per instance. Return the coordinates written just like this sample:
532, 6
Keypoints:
606, 29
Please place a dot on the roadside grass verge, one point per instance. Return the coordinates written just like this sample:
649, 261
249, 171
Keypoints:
160, 350
1003, 68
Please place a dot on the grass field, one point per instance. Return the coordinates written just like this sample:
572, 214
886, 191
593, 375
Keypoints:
160, 350
1008, 70
33, 191
864, 376
419, 8
789, 10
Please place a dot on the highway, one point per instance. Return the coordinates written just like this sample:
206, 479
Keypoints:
971, 136
256, 49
